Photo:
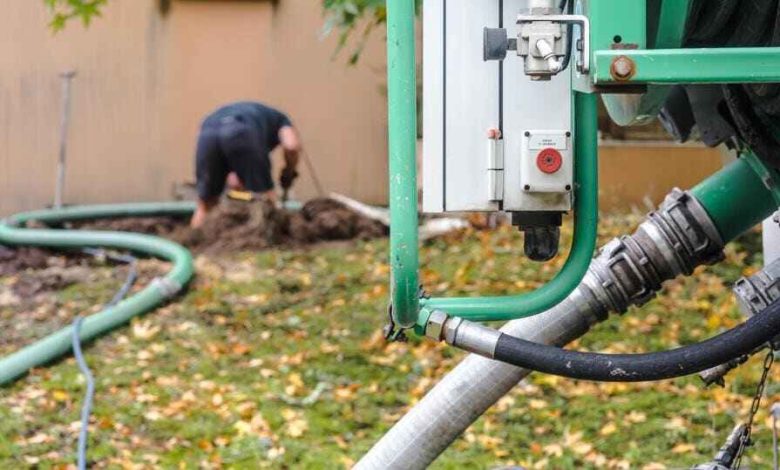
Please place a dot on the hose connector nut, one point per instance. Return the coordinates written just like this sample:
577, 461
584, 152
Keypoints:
434, 327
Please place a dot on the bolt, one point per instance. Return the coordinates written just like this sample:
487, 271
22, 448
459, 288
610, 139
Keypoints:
527, 187
527, 134
494, 134
623, 68
568, 187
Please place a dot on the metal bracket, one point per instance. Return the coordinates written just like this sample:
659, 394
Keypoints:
391, 331
582, 45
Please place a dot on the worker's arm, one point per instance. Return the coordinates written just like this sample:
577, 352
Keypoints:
291, 145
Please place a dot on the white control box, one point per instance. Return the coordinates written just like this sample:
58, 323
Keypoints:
468, 102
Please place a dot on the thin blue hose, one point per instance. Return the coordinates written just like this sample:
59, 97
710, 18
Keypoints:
89, 395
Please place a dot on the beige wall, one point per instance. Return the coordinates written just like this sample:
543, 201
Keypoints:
638, 175
146, 80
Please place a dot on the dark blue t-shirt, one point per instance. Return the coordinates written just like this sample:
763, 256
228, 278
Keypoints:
267, 119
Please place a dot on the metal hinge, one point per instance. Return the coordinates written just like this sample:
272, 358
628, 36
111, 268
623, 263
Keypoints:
495, 168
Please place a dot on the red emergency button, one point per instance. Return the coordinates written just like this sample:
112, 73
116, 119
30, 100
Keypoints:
549, 160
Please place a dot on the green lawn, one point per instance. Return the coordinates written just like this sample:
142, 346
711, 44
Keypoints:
275, 360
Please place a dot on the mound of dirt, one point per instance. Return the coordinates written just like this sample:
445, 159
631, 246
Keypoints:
235, 226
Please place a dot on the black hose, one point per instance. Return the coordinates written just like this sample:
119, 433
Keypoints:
758, 330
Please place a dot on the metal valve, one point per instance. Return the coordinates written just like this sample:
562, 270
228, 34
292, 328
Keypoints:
541, 42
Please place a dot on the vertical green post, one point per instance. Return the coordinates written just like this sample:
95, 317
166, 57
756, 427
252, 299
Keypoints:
402, 109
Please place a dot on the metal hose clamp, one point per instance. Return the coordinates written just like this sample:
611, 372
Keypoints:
167, 287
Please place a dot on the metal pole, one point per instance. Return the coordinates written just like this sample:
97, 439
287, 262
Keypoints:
402, 126
67, 78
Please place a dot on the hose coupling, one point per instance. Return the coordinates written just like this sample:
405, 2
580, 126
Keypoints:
690, 237
673, 240
167, 287
754, 295
757, 292
463, 334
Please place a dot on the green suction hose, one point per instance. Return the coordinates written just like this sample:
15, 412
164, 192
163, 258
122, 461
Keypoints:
13, 233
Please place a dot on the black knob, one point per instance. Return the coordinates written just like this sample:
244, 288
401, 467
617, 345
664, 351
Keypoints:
542, 233
541, 243
496, 44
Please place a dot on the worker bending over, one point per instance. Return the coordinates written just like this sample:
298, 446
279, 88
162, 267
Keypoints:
234, 149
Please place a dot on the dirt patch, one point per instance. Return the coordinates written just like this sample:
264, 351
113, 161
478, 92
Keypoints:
14, 261
32, 302
54, 278
27, 271
20, 259
238, 225
232, 226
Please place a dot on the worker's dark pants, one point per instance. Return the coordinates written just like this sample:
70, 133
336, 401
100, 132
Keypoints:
234, 144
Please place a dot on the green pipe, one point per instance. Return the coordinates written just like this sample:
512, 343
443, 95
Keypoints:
585, 232
402, 127
59, 343
106, 211
740, 195
689, 66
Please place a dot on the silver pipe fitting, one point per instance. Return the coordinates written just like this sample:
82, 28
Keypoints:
628, 271
463, 334
548, 53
